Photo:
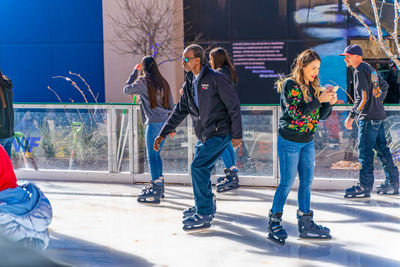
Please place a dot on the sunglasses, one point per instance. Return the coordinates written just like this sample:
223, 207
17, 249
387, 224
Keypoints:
186, 59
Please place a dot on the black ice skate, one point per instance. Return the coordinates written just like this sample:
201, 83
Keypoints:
276, 232
152, 193
357, 191
197, 221
220, 179
192, 210
309, 229
229, 182
387, 188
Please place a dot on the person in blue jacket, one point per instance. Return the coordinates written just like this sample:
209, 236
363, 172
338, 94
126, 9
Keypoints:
207, 97
25, 212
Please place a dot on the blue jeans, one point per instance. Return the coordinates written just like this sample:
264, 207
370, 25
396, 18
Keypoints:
371, 135
228, 156
205, 156
154, 157
7, 143
294, 157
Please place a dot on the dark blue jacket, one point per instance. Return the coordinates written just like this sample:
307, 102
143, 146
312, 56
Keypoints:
218, 113
225, 70
370, 90
6, 109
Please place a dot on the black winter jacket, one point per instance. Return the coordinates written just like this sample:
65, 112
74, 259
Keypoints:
370, 90
225, 70
7, 112
218, 113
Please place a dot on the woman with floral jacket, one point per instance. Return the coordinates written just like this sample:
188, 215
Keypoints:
303, 103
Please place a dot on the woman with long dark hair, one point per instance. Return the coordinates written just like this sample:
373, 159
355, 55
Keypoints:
156, 103
219, 60
303, 103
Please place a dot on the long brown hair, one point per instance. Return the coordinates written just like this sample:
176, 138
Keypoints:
302, 60
220, 58
155, 82
3, 101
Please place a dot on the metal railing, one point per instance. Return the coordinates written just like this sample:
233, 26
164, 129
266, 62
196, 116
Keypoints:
105, 143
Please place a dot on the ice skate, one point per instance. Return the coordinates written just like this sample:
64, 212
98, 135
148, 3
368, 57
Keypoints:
357, 191
152, 193
192, 210
387, 188
310, 230
229, 182
276, 232
197, 221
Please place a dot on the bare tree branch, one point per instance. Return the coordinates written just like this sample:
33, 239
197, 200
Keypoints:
379, 38
144, 28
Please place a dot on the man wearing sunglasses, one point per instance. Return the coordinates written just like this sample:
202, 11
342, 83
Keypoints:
207, 97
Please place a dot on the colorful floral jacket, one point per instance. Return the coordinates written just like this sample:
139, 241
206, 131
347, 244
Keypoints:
300, 114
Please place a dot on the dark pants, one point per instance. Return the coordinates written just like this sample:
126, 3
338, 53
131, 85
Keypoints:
7, 143
371, 135
205, 156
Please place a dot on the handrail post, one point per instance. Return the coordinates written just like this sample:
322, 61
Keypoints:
132, 137
275, 165
135, 140
190, 143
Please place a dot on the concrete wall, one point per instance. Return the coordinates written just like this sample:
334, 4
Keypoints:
117, 67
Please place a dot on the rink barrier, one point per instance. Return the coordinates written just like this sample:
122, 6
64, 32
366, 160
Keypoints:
93, 153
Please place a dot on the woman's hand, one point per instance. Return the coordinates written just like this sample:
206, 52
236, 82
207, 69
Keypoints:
349, 123
138, 67
157, 143
333, 99
325, 96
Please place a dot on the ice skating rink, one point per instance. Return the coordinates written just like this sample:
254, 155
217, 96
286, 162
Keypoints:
103, 225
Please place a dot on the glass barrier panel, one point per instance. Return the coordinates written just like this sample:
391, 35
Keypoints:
336, 148
254, 157
63, 139
174, 153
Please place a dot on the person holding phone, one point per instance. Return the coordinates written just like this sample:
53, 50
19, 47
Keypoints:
303, 103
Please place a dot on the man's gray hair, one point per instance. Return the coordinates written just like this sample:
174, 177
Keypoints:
198, 51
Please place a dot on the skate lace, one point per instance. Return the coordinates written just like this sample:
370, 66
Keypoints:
197, 217
384, 184
276, 227
190, 210
317, 226
358, 188
147, 189
228, 179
